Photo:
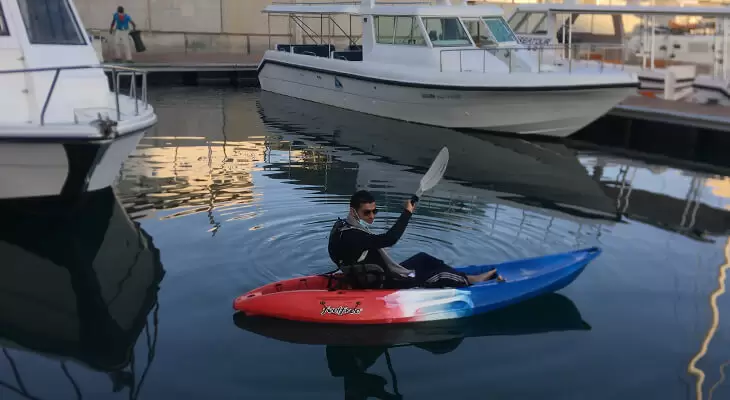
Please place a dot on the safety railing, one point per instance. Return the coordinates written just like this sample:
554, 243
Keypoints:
116, 72
351, 3
583, 54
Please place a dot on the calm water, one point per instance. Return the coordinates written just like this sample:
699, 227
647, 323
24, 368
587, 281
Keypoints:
130, 295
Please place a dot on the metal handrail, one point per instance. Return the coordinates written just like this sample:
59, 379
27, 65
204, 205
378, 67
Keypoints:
540, 49
350, 3
115, 79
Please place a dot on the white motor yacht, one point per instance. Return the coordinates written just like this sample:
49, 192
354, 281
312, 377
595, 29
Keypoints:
63, 132
422, 63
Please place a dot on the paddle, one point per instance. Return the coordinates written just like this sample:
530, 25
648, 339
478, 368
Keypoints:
433, 175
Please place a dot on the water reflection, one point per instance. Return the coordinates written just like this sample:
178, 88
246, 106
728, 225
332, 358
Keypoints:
76, 286
665, 198
712, 330
351, 351
509, 170
204, 166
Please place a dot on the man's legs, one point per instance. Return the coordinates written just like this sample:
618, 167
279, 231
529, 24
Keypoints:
117, 41
423, 261
433, 272
127, 46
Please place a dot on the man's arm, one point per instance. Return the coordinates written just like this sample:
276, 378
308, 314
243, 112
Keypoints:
112, 25
131, 21
387, 239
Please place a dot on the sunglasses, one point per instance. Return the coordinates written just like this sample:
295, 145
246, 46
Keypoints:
368, 212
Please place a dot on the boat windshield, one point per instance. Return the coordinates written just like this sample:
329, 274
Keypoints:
499, 29
445, 32
3, 25
529, 23
479, 32
50, 22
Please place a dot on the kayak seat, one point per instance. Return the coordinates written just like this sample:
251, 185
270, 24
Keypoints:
358, 276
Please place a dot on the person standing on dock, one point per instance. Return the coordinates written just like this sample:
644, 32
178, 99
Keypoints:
121, 34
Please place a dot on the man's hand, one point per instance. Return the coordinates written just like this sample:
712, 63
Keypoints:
410, 206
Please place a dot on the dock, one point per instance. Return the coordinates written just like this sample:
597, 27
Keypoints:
237, 69
683, 113
192, 68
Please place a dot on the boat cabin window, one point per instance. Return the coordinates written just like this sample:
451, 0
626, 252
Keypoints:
499, 29
50, 22
630, 22
3, 24
445, 32
531, 23
597, 24
479, 32
398, 30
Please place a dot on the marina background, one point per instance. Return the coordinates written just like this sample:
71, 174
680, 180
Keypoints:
172, 28
128, 295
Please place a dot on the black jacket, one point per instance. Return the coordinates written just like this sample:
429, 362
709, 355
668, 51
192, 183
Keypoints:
353, 242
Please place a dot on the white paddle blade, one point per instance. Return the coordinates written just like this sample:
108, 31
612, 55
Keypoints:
436, 172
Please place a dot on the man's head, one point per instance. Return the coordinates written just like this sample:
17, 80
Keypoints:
362, 203
120, 10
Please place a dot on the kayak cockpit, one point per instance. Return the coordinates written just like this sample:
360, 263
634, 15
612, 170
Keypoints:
316, 282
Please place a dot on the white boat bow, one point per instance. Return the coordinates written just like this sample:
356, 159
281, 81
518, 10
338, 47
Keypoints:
63, 132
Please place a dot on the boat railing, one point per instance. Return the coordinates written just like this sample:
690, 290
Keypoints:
600, 55
351, 3
116, 71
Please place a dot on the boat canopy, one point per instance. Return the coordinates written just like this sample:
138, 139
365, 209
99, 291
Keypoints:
639, 10
422, 10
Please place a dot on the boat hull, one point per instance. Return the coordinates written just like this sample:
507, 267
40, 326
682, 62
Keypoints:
308, 299
549, 313
547, 112
50, 167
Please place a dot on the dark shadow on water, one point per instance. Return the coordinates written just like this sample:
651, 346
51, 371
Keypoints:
487, 166
351, 350
544, 176
688, 147
81, 280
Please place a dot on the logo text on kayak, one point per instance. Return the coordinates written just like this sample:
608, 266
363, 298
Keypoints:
340, 310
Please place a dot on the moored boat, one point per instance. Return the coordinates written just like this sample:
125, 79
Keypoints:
426, 64
63, 132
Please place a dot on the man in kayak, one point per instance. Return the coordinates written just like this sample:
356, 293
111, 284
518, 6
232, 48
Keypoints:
358, 251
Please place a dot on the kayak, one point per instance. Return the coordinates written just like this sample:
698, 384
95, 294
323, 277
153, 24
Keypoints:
311, 299
551, 312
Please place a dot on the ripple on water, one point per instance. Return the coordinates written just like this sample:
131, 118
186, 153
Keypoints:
280, 207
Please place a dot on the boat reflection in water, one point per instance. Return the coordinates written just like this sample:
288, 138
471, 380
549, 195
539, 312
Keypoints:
76, 284
543, 177
352, 350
